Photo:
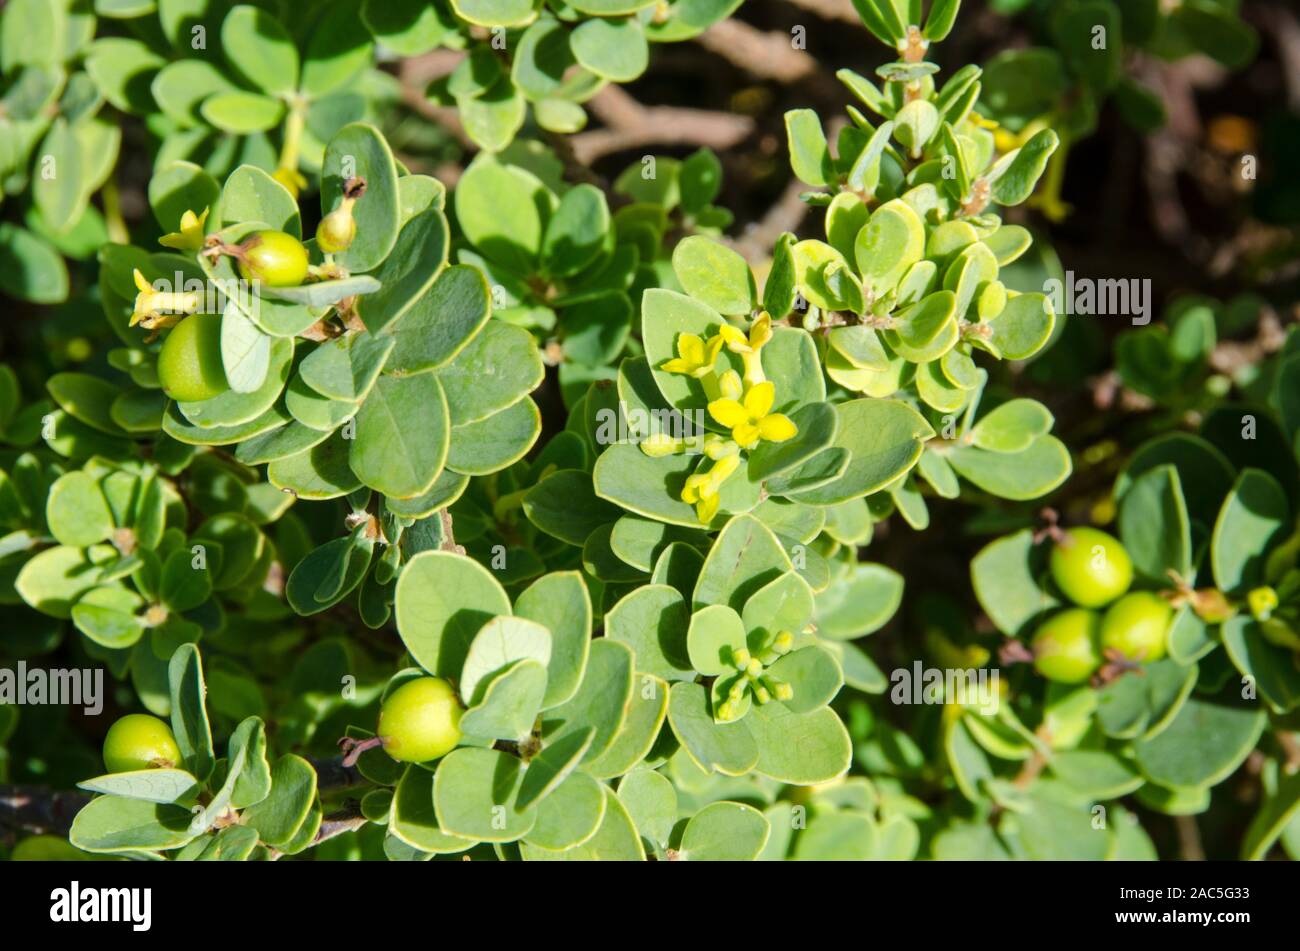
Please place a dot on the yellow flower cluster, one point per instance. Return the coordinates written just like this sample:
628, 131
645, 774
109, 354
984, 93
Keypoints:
743, 405
753, 677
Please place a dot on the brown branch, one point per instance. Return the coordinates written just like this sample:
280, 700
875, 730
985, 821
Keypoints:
764, 55
755, 245
831, 10
39, 809
632, 125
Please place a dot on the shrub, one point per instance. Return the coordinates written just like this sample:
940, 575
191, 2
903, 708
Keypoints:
527, 519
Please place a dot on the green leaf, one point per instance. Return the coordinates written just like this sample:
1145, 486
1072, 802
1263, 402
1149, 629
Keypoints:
1272, 819
615, 840
884, 439
1216, 31
744, 557
174, 786
560, 602
443, 600
86, 398
565, 505
361, 150
123, 70
799, 748
260, 50
509, 704
1013, 426
714, 640
1203, 745
1254, 516
114, 824
1154, 527
412, 818
402, 435
652, 620
640, 732
497, 369
77, 512
601, 701
809, 154
612, 49
1269, 668
189, 713
651, 801
727, 748
407, 27
1023, 327
1006, 576
30, 269
576, 232
1017, 173
1019, 475
252, 195
569, 816
716, 275
339, 48
242, 113
54, 579
58, 185
890, 243
500, 643
639, 541
279, 816
724, 832
503, 211
245, 351
474, 796
346, 368
408, 272
439, 325
495, 442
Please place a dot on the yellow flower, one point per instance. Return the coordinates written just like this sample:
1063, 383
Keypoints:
190, 237
151, 305
751, 418
701, 489
760, 332
694, 356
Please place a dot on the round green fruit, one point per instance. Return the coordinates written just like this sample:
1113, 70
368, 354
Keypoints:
1090, 567
274, 258
336, 231
420, 720
1067, 646
1137, 625
139, 741
189, 363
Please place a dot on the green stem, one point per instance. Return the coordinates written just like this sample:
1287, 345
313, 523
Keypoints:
118, 232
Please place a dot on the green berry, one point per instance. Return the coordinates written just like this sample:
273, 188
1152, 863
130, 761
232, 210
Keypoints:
189, 363
274, 258
1090, 567
1136, 625
139, 741
1067, 646
420, 720
337, 230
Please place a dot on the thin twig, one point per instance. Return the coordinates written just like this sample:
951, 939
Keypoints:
631, 125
